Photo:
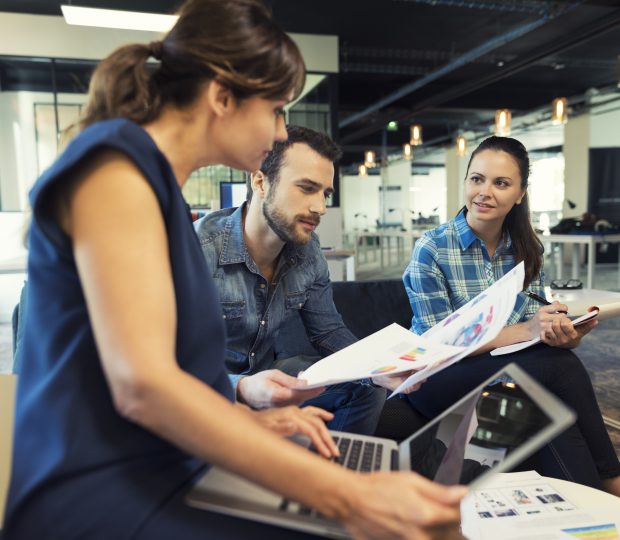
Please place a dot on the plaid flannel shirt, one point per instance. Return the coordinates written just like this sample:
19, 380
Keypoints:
450, 265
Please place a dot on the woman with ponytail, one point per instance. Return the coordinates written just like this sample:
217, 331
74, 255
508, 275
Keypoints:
453, 263
123, 396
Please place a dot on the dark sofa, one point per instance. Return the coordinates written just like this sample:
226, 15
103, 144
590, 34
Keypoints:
365, 306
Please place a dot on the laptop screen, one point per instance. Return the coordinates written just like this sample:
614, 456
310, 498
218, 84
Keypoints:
477, 434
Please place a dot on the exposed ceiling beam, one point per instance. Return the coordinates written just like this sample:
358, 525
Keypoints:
473, 54
577, 37
524, 6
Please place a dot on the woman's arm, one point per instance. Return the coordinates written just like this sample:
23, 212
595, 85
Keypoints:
427, 288
121, 251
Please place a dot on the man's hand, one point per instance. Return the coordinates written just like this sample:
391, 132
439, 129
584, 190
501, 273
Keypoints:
273, 388
392, 382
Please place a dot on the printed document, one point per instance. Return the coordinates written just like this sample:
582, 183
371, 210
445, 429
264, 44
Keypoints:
525, 505
395, 349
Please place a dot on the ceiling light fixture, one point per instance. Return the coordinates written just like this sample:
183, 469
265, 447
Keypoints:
113, 18
369, 159
407, 151
361, 171
461, 145
502, 122
558, 111
416, 135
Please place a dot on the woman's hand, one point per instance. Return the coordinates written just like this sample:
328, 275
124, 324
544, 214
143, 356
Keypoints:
556, 329
404, 505
309, 421
544, 317
563, 334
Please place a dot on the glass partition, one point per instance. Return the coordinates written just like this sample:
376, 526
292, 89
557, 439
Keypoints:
41, 98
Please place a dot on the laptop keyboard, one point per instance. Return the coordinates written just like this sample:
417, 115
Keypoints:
358, 455
362, 456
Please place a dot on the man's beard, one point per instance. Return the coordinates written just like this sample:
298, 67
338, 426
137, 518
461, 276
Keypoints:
284, 229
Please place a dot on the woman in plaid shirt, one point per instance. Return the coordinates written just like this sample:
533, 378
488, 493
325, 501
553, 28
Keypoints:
456, 261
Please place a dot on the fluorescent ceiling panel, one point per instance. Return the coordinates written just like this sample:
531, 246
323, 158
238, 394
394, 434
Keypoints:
112, 18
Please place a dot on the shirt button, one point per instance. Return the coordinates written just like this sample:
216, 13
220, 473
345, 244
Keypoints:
262, 285
262, 323
252, 354
224, 317
301, 305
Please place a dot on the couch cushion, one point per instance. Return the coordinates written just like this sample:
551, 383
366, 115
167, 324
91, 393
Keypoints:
368, 306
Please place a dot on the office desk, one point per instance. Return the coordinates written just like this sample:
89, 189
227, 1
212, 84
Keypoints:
341, 264
384, 238
589, 240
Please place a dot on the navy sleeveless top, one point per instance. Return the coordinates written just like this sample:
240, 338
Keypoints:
80, 469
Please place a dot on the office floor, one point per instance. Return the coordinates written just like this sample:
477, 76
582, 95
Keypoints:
600, 352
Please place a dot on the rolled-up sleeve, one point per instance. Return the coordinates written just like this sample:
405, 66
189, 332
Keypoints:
426, 287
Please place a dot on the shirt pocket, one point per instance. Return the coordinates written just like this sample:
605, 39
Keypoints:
295, 300
233, 310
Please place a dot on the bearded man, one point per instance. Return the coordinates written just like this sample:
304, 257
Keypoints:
268, 266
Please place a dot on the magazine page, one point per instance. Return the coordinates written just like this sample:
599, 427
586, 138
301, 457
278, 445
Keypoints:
392, 350
525, 505
475, 324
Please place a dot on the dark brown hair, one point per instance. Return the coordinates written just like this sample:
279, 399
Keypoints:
235, 42
321, 143
526, 246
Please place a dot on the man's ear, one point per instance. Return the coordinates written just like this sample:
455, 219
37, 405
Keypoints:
260, 185
220, 98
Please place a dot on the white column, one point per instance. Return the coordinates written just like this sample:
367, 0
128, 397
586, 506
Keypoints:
456, 169
576, 161
399, 174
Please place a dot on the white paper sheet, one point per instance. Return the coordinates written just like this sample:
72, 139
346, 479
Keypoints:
475, 324
392, 350
520, 506
395, 349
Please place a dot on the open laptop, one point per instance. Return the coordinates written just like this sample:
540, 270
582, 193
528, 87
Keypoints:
492, 429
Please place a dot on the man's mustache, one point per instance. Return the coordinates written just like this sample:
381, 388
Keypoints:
314, 220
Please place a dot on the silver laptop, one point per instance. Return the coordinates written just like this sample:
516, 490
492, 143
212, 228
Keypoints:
492, 429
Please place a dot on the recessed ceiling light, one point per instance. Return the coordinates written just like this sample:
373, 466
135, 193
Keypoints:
113, 18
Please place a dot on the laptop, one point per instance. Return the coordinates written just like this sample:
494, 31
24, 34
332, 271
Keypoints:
492, 429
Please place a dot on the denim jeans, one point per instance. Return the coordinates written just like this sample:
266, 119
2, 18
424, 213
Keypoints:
583, 453
356, 407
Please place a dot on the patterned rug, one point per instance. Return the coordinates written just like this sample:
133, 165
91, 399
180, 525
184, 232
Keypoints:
600, 353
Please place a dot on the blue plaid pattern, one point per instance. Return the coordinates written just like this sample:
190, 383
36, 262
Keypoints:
450, 265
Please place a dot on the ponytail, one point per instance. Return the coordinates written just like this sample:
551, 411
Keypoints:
235, 42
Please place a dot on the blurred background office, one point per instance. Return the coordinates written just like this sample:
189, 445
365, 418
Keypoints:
407, 87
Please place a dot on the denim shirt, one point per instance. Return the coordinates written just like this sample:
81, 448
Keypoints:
254, 311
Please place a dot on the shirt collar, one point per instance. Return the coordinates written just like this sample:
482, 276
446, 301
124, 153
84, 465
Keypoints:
234, 249
464, 233
467, 237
